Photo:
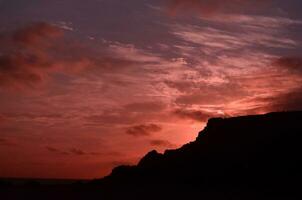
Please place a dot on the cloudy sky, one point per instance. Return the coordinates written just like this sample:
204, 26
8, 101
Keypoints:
89, 85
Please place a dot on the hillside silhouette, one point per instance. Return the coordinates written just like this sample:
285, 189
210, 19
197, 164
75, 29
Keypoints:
261, 151
249, 157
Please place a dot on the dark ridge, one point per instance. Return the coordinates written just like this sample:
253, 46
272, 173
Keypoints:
258, 149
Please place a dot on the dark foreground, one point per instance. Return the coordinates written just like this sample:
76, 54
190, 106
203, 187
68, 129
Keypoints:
252, 157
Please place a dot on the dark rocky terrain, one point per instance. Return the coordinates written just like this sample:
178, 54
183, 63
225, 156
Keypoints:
250, 157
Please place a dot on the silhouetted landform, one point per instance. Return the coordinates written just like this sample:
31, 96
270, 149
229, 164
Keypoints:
250, 157
249, 151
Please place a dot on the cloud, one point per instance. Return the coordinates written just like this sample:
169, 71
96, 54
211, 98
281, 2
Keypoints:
195, 115
291, 64
202, 97
210, 8
255, 22
80, 152
143, 129
37, 34
231, 82
47, 118
52, 149
162, 143
72, 151
34, 116
31, 55
25, 58
151, 106
56, 150
77, 152
287, 101
110, 118
289, 67
221, 39
206, 93
6, 142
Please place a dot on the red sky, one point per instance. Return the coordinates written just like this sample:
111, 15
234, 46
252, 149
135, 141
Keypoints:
88, 86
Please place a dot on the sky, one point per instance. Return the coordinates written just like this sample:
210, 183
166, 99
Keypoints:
89, 85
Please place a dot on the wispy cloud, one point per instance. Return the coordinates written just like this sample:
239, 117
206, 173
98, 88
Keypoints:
35, 52
196, 115
214, 7
143, 130
80, 152
162, 143
252, 36
291, 64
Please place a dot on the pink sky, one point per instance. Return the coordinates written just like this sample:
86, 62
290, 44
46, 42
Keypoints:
85, 90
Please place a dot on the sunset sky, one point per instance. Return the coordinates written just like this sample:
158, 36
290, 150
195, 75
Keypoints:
86, 85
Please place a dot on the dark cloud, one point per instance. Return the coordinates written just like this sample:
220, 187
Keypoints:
77, 152
31, 54
37, 34
211, 8
162, 143
80, 152
145, 107
195, 115
6, 142
52, 149
284, 101
56, 150
109, 118
288, 101
26, 59
291, 64
143, 129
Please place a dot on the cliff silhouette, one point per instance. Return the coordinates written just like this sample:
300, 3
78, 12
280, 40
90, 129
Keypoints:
260, 151
244, 149
248, 157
